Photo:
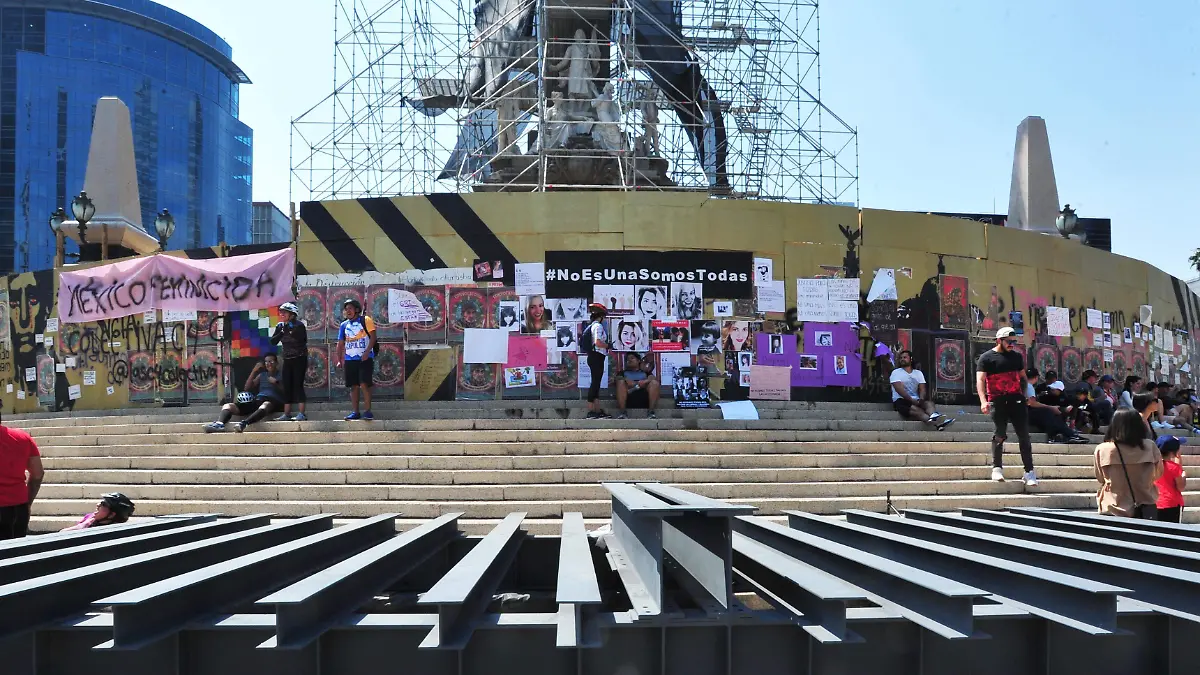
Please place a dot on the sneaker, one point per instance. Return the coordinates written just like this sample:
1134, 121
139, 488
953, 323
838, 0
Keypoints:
651, 415
1055, 440
353, 416
283, 418
603, 416
368, 416
621, 415
997, 474
945, 423
239, 427
213, 426
1077, 440
300, 417
592, 415
1030, 479
933, 418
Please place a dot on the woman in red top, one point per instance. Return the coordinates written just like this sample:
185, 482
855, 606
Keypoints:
1172, 482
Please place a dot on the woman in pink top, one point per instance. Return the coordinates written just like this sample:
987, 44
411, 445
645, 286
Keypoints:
113, 508
1172, 483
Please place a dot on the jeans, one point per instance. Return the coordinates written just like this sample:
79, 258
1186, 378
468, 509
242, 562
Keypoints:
1050, 423
595, 362
14, 521
1018, 415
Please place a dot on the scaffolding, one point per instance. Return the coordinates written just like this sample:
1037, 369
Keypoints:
717, 96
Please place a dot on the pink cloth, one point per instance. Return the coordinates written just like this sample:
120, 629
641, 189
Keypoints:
254, 281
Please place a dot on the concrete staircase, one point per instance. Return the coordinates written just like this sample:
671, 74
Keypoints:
491, 458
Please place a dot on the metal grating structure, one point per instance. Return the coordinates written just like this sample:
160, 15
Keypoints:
421, 102
680, 584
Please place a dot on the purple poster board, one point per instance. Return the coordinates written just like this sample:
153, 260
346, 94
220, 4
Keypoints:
836, 347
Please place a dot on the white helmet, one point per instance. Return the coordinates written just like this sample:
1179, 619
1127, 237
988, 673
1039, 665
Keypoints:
245, 397
290, 307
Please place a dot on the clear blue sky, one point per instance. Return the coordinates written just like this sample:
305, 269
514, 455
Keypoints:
936, 89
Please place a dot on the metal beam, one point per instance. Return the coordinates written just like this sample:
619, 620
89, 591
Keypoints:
942, 606
311, 606
33, 602
577, 585
59, 560
463, 594
1178, 529
49, 542
146, 614
1103, 530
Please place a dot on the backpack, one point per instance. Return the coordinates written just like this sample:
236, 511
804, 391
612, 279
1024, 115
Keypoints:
588, 340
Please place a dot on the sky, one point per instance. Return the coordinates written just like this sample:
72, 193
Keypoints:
935, 88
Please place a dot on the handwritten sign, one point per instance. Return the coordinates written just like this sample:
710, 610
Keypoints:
812, 299
177, 315
405, 307
1093, 318
52, 325
771, 383
843, 290
1058, 321
526, 350
89, 378
129, 287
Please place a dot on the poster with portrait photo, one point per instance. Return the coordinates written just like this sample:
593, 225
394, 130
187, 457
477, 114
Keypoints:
775, 344
618, 300
670, 365
670, 336
706, 337
467, 310
628, 334
745, 360
566, 335
534, 318
763, 271
823, 338
954, 302
687, 301
809, 362
839, 364
737, 336
508, 315
690, 389
567, 309
652, 303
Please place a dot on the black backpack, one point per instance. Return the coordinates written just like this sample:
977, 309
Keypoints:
588, 339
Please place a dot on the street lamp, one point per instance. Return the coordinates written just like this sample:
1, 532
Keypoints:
1066, 222
56, 222
164, 225
83, 209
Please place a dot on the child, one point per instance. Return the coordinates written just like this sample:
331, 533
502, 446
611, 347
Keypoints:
113, 508
1172, 483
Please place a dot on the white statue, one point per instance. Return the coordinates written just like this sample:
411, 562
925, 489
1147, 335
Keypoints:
650, 121
506, 122
607, 131
582, 64
558, 122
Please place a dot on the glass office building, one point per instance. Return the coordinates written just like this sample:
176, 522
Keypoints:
57, 59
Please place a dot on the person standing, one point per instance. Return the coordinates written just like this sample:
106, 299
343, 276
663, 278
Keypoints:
1000, 383
1172, 482
294, 336
910, 397
21, 477
356, 348
594, 342
1127, 464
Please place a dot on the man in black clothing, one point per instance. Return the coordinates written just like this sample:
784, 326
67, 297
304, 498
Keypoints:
294, 336
1046, 412
1001, 385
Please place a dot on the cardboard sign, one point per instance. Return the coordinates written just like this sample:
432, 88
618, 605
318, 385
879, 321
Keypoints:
771, 383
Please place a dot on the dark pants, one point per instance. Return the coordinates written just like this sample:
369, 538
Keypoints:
595, 362
293, 379
1171, 515
1018, 415
1053, 425
1104, 411
253, 411
14, 521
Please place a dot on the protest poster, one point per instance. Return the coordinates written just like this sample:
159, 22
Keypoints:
531, 279
670, 336
770, 383
404, 307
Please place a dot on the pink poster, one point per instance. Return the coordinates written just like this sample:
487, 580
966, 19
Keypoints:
526, 350
243, 282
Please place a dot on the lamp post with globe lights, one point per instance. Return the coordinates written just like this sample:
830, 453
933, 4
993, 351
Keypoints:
1066, 222
83, 209
56, 222
164, 225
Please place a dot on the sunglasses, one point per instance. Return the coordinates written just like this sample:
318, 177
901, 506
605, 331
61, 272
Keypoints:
1010, 343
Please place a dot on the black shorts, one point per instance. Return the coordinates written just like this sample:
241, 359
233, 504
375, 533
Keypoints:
360, 372
902, 406
638, 398
14, 521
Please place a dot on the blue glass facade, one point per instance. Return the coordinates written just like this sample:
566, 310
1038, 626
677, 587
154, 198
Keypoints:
193, 155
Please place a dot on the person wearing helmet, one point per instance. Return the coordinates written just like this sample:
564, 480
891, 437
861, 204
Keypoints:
267, 397
112, 509
292, 333
595, 344
356, 348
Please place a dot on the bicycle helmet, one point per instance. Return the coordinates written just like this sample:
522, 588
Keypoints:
351, 302
245, 397
290, 307
119, 504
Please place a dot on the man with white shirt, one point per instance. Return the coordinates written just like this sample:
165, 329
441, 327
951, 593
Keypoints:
910, 394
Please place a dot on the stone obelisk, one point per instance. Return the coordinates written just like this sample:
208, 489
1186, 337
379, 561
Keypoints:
1033, 196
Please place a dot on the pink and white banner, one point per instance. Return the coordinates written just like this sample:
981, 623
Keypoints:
254, 281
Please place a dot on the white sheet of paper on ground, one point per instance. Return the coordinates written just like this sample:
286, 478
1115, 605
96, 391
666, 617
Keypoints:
883, 287
485, 345
52, 325
1058, 321
1093, 318
531, 279
738, 410
405, 307
771, 298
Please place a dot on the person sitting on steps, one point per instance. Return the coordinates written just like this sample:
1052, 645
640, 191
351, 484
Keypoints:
1045, 413
637, 387
910, 396
267, 399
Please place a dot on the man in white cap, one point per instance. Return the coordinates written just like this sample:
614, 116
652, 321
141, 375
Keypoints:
1000, 382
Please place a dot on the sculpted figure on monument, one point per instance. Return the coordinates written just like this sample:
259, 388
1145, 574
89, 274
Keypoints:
581, 63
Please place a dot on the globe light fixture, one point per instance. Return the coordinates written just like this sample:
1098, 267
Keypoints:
1066, 222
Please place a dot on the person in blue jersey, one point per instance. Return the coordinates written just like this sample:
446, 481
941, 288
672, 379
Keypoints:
356, 348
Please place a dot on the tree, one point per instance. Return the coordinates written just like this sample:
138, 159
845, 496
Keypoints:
1195, 260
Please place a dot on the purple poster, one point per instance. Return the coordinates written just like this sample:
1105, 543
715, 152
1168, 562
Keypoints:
835, 346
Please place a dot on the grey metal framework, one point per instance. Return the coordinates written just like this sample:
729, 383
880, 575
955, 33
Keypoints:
397, 115
680, 584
